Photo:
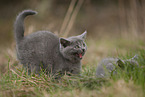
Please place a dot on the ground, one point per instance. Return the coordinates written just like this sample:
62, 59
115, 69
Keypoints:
14, 81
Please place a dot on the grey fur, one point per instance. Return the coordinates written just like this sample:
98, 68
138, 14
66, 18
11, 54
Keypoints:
45, 50
108, 66
19, 24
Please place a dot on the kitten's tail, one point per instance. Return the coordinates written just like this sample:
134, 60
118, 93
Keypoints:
19, 24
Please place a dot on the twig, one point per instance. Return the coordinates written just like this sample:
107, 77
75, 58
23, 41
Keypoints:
68, 15
73, 17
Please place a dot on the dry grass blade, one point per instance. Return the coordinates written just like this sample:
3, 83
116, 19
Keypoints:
73, 17
22, 77
68, 15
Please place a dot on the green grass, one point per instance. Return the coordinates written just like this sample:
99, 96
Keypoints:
127, 83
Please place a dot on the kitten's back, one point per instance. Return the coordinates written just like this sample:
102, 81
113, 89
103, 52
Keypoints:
39, 45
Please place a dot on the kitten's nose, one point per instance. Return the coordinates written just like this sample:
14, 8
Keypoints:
83, 50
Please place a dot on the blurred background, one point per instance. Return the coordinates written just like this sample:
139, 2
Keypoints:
114, 26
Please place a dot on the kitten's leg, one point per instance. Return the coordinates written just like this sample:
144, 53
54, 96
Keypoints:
33, 68
37, 69
48, 68
27, 68
76, 70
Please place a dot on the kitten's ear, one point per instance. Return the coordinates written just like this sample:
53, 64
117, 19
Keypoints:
120, 63
64, 42
135, 57
83, 36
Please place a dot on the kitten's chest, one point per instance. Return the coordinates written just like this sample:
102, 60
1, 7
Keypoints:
73, 68
63, 65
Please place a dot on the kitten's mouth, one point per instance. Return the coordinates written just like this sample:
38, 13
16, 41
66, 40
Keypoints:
80, 55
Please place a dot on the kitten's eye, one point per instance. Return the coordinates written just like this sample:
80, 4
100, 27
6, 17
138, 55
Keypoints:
84, 45
77, 46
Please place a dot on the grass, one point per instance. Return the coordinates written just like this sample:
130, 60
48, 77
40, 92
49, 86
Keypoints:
15, 81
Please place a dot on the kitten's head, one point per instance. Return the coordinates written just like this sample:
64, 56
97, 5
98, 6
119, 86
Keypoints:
73, 48
131, 62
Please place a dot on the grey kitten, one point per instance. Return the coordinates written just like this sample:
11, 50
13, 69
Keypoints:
44, 50
108, 65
